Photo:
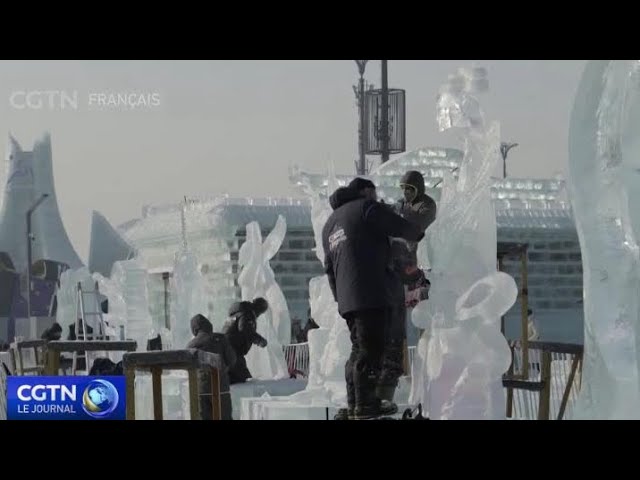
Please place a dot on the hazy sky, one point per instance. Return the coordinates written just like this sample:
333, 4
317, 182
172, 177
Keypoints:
236, 126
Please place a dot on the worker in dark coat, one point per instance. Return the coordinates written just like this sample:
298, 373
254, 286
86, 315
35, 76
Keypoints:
241, 333
204, 339
358, 265
54, 332
420, 209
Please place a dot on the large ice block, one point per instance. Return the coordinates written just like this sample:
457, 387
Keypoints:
188, 295
116, 318
67, 298
462, 355
604, 153
130, 279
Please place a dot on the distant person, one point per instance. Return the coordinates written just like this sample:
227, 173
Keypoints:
532, 331
296, 331
310, 325
241, 332
54, 332
204, 339
419, 209
357, 250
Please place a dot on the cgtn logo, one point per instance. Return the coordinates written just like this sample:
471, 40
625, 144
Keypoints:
65, 398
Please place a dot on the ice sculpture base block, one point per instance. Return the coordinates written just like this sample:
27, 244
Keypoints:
282, 408
258, 388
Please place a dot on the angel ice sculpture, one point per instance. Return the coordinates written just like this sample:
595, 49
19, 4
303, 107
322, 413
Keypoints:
329, 345
462, 354
258, 280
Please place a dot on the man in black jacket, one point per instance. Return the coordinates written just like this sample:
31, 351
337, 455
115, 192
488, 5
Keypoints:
205, 339
241, 332
419, 209
358, 265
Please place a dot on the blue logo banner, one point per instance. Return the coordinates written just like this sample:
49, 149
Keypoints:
66, 398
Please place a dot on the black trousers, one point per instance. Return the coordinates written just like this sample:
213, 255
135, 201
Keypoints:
239, 373
395, 336
362, 370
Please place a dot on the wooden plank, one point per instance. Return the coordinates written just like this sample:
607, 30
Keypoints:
29, 343
156, 380
545, 393
21, 368
55, 363
172, 359
567, 388
194, 403
524, 298
216, 399
92, 345
130, 379
522, 384
510, 389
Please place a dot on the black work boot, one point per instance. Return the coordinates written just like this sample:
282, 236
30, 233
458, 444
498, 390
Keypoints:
349, 412
345, 414
386, 392
377, 408
368, 405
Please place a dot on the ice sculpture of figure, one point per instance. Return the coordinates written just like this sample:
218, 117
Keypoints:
329, 345
187, 288
258, 280
189, 297
604, 160
463, 355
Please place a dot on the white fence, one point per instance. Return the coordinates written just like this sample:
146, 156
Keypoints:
297, 357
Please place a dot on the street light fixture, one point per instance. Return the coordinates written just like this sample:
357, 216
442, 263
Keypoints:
362, 162
504, 150
30, 239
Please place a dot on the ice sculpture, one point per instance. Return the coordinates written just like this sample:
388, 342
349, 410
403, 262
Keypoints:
208, 235
188, 288
462, 355
30, 175
188, 297
257, 279
329, 345
107, 246
130, 279
604, 160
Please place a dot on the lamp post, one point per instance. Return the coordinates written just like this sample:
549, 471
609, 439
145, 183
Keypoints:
384, 123
30, 239
361, 168
504, 150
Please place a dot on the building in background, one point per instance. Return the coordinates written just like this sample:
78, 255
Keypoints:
532, 211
